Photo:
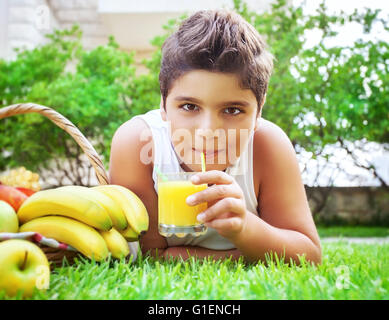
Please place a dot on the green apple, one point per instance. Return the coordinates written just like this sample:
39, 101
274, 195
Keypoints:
23, 267
8, 219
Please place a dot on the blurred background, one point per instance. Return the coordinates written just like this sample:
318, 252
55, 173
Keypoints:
97, 63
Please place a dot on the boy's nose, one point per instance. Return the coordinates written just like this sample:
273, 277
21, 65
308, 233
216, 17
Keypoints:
206, 133
207, 126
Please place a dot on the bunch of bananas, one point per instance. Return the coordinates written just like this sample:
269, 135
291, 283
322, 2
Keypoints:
21, 177
96, 221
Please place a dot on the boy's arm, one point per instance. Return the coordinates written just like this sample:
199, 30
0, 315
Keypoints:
128, 168
285, 225
286, 219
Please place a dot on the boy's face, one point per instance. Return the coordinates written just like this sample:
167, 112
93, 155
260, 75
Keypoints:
209, 111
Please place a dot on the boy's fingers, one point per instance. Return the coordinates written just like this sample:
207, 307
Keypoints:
214, 193
221, 207
230, 224
212, 177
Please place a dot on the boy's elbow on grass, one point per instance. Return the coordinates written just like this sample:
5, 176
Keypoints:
318, 255
314, 256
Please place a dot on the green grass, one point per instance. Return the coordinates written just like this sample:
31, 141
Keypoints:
366, 266
353, 231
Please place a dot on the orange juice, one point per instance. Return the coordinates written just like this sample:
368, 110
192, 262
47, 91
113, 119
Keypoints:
174, 215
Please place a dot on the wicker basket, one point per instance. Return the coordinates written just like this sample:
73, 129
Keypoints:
56, 256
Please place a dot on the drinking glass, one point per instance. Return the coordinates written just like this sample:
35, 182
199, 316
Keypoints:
175, 217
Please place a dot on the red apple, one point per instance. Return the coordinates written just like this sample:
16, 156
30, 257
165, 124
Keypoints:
26, 191
13, 196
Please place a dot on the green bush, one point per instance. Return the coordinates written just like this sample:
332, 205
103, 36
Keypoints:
343, 89
89, 88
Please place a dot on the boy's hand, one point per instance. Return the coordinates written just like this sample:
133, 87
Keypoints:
226, 210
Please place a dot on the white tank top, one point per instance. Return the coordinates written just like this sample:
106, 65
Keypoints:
167, 161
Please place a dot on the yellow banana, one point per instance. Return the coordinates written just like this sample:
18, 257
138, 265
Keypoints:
132, 206
129, 234
75, 233
114, 210
116, 243
62, 202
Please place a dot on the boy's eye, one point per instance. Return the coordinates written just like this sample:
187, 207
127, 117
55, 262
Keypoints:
189, 107
233, 111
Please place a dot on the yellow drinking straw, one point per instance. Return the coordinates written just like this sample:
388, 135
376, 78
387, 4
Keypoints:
202, 162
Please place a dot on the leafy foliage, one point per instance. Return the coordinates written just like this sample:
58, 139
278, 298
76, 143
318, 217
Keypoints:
89, 88
318, 96
343, 89
326, 95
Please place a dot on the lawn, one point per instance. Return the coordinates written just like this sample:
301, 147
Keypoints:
353, 231
348, 271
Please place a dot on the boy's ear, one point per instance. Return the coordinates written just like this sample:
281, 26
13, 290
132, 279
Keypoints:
162, 110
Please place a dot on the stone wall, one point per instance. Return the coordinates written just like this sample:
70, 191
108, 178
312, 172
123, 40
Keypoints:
85, 14
349, 205
26, 22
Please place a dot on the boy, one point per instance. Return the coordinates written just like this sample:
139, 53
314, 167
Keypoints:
214, 76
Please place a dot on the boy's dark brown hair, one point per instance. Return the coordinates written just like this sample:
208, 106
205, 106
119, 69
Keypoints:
218, 41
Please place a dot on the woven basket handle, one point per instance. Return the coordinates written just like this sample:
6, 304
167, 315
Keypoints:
64, 124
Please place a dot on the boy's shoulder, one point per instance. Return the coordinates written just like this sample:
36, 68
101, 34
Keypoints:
270, 140
274, 161
267, 129
133, 130
129, 158
131, 137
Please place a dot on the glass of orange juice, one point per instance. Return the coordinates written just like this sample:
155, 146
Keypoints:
175, 217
